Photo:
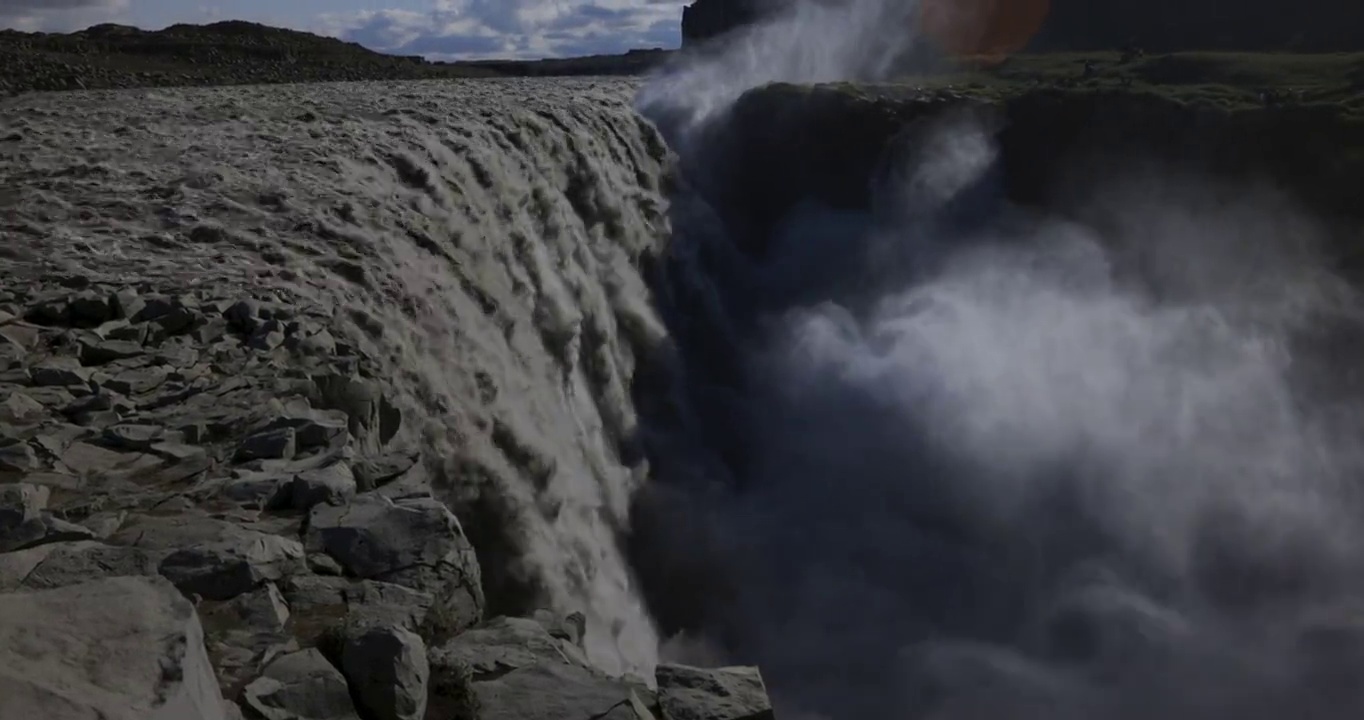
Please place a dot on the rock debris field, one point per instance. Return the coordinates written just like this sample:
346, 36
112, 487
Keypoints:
305, 389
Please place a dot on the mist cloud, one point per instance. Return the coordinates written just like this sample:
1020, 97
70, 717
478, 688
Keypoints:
1056, 466
472, 29
58, 15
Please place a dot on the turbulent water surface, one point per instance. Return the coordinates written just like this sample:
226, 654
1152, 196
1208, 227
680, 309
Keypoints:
938, 459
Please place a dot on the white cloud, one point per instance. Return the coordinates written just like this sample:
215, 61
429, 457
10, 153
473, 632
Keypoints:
59, 15
459, 29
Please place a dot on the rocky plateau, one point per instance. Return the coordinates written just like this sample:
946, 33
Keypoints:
219, 491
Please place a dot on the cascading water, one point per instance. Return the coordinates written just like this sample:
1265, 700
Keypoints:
948, 459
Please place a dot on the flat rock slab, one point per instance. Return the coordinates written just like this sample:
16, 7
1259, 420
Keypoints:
508, 643
513, 668
417, 543
215, 559
116, 649
388, 668
300, 686
555, 691
729, 693
70, 563
322, 603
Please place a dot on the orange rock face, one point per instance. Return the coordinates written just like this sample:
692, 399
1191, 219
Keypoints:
982, 28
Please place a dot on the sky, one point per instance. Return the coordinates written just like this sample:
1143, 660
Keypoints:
438, 29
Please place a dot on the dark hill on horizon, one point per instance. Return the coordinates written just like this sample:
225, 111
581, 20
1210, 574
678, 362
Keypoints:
236, 52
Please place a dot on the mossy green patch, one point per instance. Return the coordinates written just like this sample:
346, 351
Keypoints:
1219, 79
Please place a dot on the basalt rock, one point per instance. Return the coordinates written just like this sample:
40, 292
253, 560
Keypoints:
1050, 141
120, 648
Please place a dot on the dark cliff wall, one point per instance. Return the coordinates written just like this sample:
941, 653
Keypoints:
1156, 25
1052, 144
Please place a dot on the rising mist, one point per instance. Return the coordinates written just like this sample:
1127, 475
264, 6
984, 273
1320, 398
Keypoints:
952, 459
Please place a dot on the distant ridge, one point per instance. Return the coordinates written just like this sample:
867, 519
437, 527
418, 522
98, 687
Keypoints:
235, 52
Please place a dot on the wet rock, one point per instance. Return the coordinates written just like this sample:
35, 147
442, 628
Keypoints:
88, 309
245, 634
325, 604
104, 524
15, 566
268, 336
321, 344
50, 313
537, 691
225, 570
243, 316
255, 490
731, 693
119, 648
372, 418
210, 331
55, 439
508, 642
153, 307
42, 529
312, 428
263, 608
104, 352
513, 668
84, 458
300, 686
100, 401
177, 320
20, 409
388, 670
136, 382
571, 628
417, 543
18, 457
21, 337
120, 330
377, 470
60, 372
333, 485
212, 558
129, 436
323, 564
126, 304
278, 443
19, 504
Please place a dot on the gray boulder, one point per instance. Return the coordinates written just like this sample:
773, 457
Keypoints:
508, 642
61, 564
25, 523
213, 558
729, 693
555, 691
118, 649
300, 686
387, 667
417, 543
323, 604
513, 669
333, 485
